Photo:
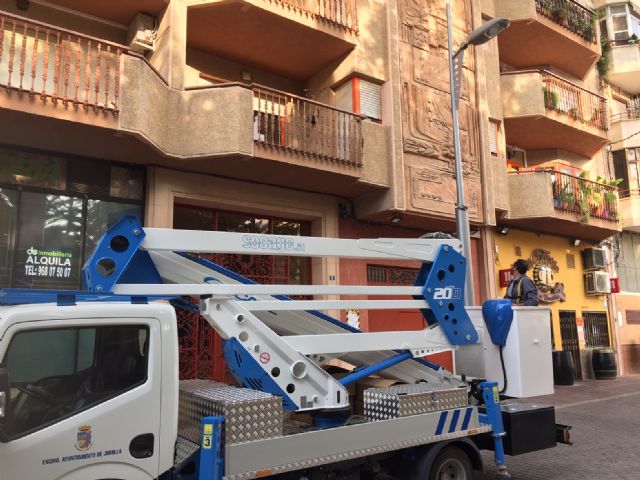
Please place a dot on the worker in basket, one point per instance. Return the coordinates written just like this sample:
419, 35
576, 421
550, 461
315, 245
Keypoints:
521, 290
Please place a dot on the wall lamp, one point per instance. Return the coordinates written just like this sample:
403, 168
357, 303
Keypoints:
395, 218
503, 230
575, 242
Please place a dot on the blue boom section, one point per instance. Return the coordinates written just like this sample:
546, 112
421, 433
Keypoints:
251, 374
443, 283
118, 259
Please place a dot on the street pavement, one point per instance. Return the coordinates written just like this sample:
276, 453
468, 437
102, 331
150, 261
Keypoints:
605, 416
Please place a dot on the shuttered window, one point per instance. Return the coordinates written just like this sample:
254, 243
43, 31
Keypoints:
370, 101
360, 96
493, 137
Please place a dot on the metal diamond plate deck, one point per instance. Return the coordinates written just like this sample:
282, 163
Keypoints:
406, 400
248, 414
184, 450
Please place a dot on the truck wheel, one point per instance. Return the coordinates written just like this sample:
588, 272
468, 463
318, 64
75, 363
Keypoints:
451, 464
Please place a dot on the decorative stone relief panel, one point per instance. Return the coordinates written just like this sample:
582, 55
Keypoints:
426, 108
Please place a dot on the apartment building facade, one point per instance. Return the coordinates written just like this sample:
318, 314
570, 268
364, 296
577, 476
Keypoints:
316, 117
620, 26
556, 200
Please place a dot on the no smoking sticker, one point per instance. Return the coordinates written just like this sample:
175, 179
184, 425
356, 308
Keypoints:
265, 357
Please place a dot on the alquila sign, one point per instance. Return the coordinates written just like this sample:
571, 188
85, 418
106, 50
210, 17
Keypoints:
48, 263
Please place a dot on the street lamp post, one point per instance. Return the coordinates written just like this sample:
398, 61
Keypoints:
481, 35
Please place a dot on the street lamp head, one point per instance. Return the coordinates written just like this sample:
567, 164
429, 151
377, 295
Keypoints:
487, 31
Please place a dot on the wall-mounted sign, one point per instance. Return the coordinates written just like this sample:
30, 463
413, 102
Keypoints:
48, 263
545, 269
505, 277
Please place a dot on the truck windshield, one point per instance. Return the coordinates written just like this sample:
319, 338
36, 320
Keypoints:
56, 373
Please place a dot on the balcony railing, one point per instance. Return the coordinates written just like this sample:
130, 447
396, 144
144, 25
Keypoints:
59, 65
571, 15
631, 113
574, 101
584, 197
343, 13
287, 122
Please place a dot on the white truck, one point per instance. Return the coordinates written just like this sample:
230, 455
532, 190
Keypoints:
89, 385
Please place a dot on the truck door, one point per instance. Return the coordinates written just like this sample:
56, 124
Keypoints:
84, 399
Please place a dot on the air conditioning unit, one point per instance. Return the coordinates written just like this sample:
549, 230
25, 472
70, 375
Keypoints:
594, 259
597, 283
142, 34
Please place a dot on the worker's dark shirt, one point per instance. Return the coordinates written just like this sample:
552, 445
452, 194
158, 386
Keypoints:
523, 292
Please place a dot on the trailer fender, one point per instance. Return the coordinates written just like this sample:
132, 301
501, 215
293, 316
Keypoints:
425, 460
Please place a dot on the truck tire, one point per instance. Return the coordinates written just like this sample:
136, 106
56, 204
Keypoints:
451, 463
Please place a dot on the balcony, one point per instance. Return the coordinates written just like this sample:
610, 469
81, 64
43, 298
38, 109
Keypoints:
623, 127
288, 123
55, 72
254, 133
118, 11
291, 38
625, 66
544, 111
560, 204
630, 210
64, 91
561, 33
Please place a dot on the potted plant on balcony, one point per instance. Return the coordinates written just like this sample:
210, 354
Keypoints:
559, 13
550, 99
633, 39
584, 200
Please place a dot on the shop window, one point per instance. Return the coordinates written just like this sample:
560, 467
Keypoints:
53, 210
8, 211
56, 373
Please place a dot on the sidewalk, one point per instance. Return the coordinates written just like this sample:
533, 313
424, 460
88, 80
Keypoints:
589, 391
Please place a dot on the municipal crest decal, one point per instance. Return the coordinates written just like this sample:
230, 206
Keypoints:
84, 441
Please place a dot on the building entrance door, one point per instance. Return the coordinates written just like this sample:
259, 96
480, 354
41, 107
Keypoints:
200, 346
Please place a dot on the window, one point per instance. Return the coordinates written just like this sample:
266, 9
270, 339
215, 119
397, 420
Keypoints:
623, 22
628, 262
621, 171
56, 373
494, 127
53, 210
360, 96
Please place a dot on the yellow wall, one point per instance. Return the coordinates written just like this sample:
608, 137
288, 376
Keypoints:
572, 278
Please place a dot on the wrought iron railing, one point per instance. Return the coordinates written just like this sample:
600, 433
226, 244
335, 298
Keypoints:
584, 197
293, 123
628, 193
571, 15
574, 101
59, 65
631, 113
340, 12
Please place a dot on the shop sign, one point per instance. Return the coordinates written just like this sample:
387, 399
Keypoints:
545, 269
48, 263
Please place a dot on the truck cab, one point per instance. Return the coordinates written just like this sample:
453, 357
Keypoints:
92, 390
